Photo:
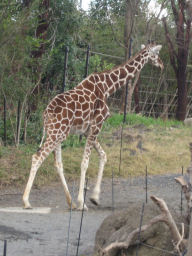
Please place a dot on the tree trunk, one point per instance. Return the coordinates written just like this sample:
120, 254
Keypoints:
181, 84
131, 8
128, 27
178, 58
42, 28
127, 35
182, 96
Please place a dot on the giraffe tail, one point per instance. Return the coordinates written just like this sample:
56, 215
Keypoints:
42, 137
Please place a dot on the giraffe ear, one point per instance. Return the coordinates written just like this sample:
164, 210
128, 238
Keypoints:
156, 49
142, 46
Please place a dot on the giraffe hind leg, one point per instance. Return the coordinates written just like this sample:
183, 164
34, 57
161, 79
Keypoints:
59, 167
102, 160
37, 160
84, 166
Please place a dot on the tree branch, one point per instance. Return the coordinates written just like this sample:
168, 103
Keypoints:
173, 53
155, 17
126, 243
175, 11
168, 219
165, 216
188, 34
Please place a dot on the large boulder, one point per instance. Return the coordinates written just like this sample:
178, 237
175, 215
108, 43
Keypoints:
117, 227
188, 122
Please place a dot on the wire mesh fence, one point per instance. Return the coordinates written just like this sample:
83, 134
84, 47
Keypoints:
155, 101
156, 96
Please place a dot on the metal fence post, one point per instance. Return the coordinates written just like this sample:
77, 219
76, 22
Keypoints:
112, 190
5, 248
82, 214
87, 61
182, 193
5, 121
124, 114
65, 68
140, 225
70, 215
125, 105
85, 75
126, 91
146, 185
18, 122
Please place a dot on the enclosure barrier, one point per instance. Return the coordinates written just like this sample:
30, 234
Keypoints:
153, 101
18, 118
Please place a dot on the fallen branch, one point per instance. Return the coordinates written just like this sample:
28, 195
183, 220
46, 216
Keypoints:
126, 243
182, 237
165, 217
168, 219
186, 184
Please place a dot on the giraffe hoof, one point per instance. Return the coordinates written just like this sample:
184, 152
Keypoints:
94, 201
80, 208
73, 207
28, 207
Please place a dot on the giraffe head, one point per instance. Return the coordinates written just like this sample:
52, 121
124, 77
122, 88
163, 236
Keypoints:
153, 54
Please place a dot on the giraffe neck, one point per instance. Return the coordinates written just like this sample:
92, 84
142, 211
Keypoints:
117, 77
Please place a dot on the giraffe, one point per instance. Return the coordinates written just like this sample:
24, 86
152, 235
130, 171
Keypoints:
83, 110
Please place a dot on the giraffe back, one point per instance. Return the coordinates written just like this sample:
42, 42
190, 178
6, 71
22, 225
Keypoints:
75, 110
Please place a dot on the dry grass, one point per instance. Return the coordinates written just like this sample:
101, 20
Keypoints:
163, 150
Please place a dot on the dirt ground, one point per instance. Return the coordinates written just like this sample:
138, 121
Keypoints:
47, 234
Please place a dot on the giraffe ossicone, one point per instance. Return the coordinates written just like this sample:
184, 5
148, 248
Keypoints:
83, 110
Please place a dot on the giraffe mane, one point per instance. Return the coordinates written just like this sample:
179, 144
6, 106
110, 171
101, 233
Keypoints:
125, 62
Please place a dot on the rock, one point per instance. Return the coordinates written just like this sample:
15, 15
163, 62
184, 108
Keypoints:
188, 122
117, 227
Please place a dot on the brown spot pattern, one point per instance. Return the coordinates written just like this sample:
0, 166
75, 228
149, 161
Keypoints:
123, 73
130, 69
114, 77
84, 106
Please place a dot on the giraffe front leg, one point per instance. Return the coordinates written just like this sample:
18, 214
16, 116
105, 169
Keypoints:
84, 166
34, 167
102, 161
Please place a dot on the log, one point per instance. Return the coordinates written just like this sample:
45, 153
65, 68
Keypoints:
189, 249
165, 216
169, 221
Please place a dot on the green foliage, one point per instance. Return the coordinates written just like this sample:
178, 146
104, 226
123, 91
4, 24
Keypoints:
73, 141
34, 80
35, 126
133, 119
96, 64
16, 63
67, 22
